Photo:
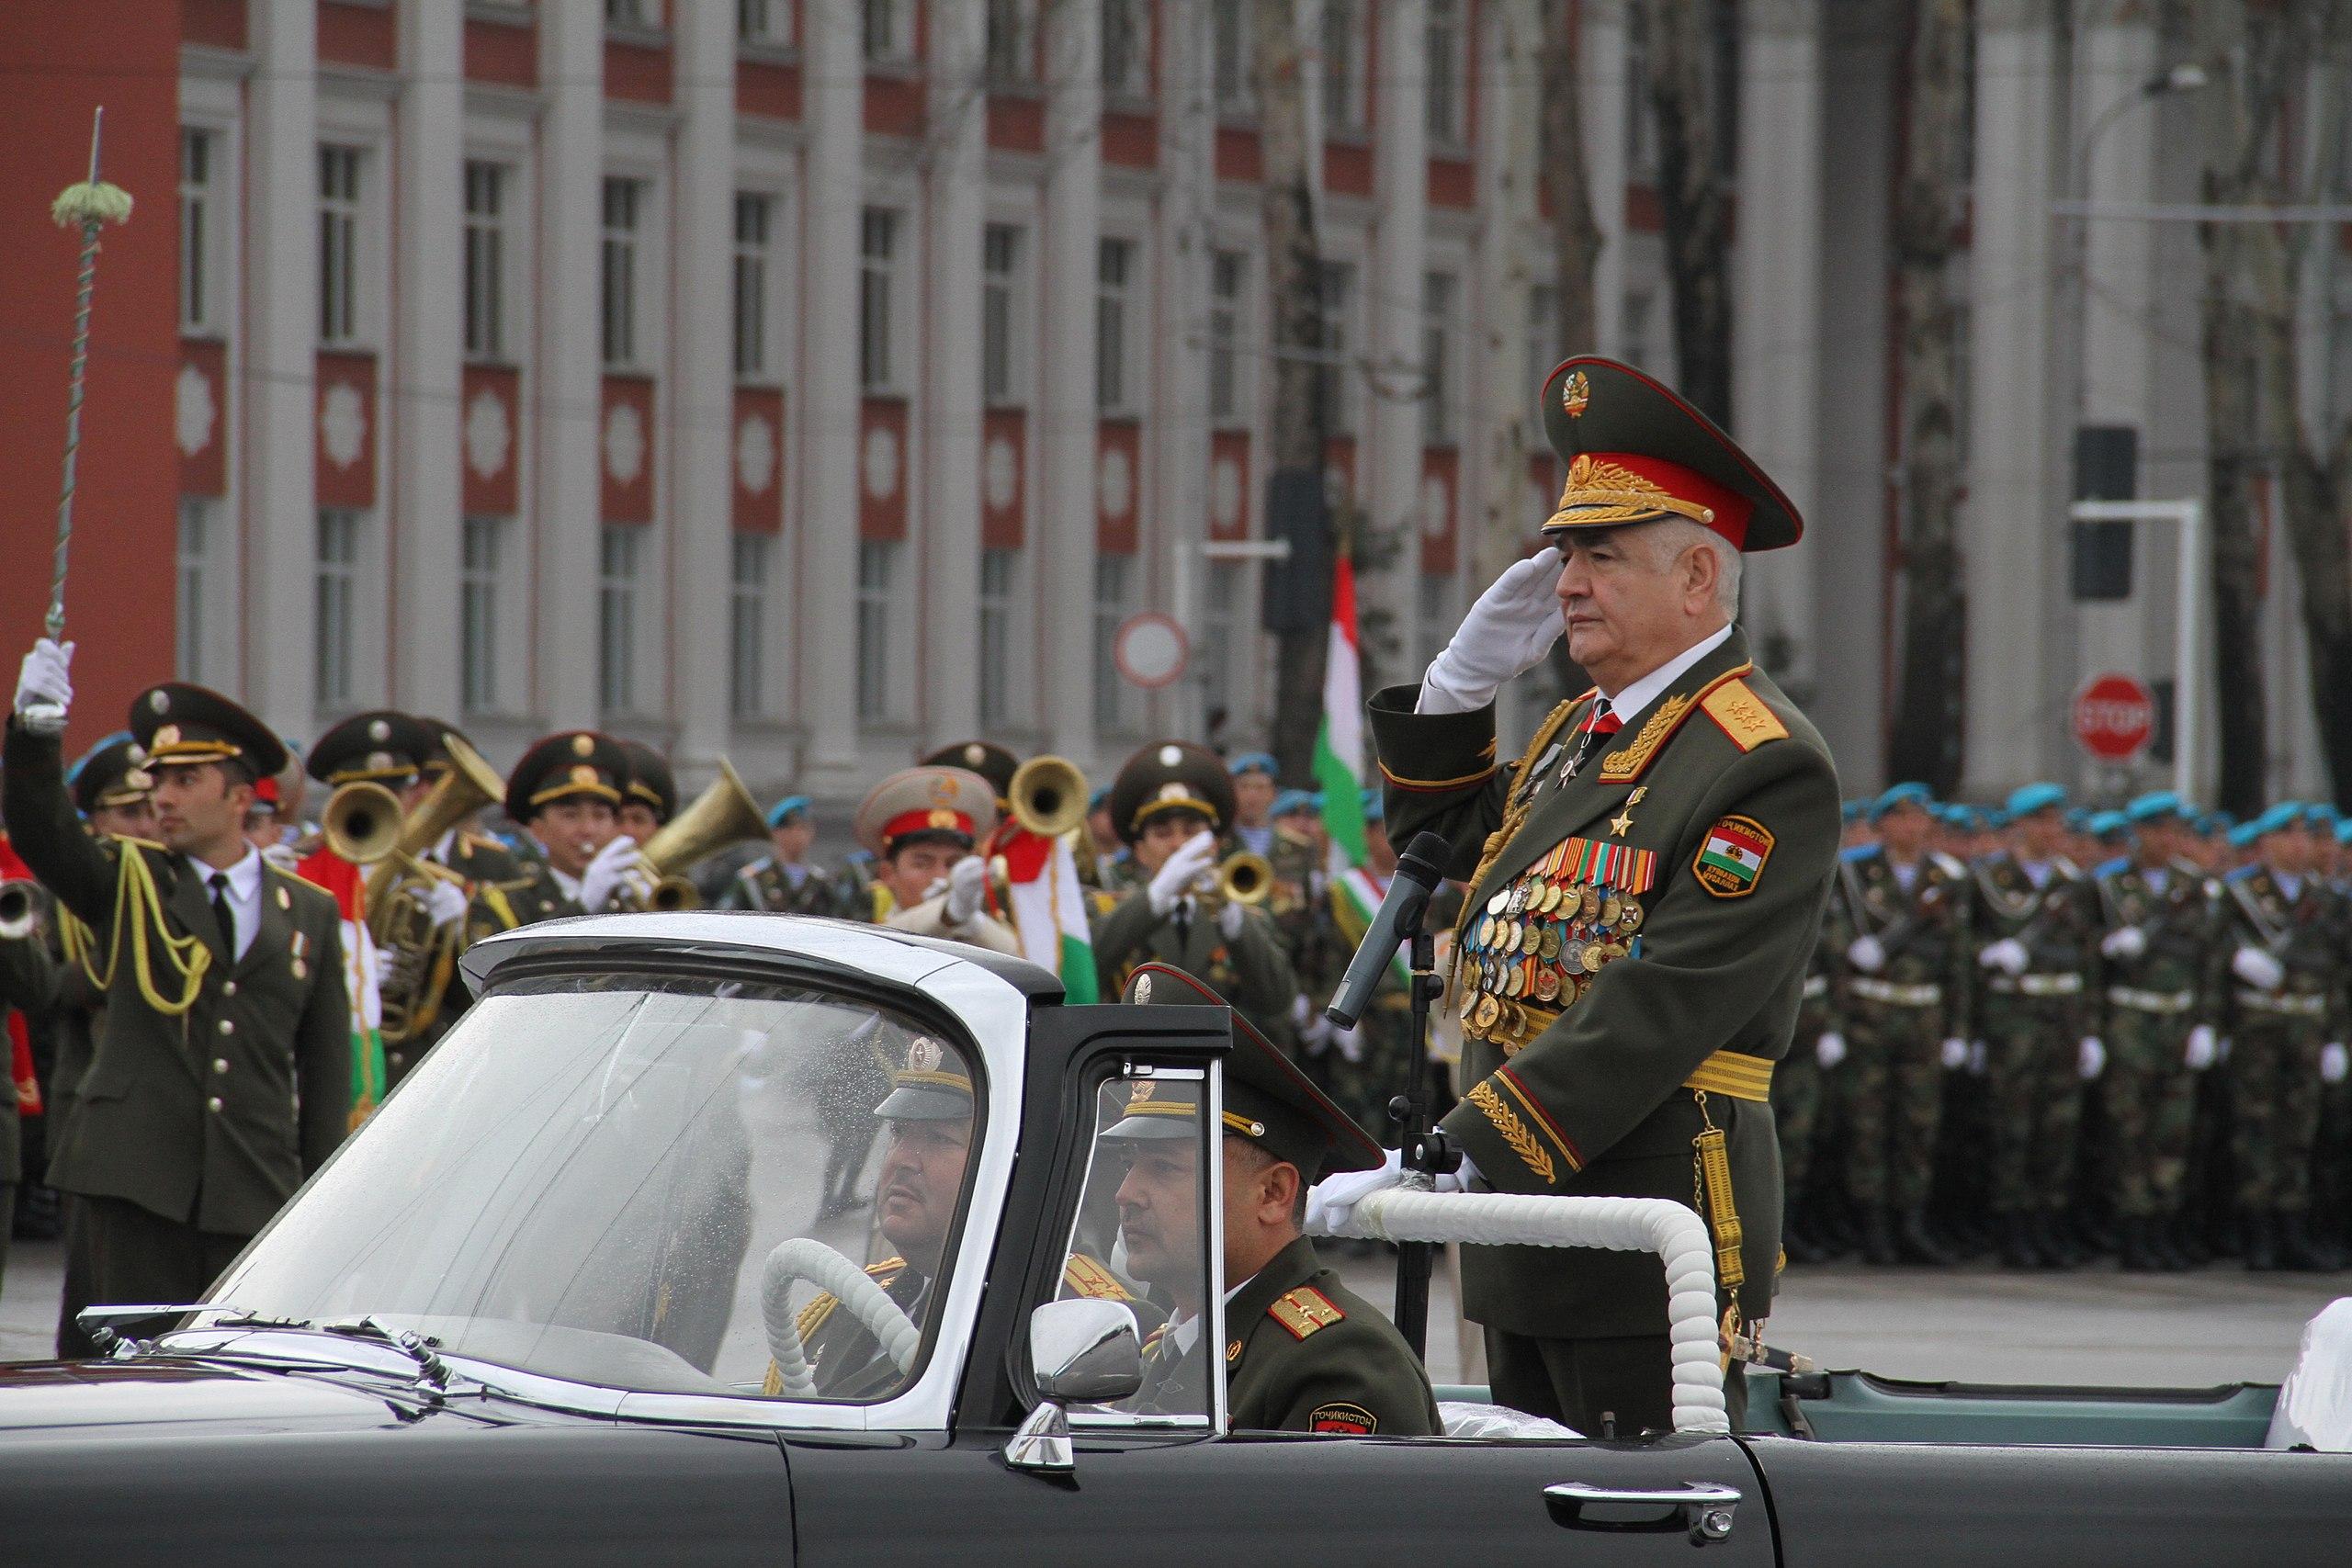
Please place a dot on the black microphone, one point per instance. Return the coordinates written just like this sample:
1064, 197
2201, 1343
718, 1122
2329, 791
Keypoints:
1400, 916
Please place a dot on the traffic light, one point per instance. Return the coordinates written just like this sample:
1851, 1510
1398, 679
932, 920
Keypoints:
2107, 468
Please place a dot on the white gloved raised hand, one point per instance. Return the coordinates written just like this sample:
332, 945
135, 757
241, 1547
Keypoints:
283, 857
605, 875
1505, 634
967, 880
1176, 875
44, 687
1830, 1049
2125, 941
2091, 1059
444, 902
2009, 956
2333, 1062
1867, 953
2202, 1049
1231, 918
1955, 1053
2257, 968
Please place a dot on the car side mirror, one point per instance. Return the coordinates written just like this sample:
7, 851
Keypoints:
1082, 1351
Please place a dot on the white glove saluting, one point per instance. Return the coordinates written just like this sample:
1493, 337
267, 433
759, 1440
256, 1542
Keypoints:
1180, 871
607, 873
967, 880
445, 903
44, 690
2204, 1047
1505, 634
2256, 968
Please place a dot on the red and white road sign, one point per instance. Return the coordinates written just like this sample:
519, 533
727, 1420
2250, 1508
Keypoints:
2114, 716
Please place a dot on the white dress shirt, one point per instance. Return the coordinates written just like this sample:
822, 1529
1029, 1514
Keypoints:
243, 894
1628, 703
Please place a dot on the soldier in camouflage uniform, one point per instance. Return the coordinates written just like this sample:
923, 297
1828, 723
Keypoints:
1800, 1086
2160, 913
1906, 1002
2288, 962
783, 882
2034, 917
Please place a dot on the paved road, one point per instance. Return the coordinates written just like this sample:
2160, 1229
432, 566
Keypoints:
2096, 1328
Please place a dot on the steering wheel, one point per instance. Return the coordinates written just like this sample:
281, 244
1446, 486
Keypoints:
805, 1258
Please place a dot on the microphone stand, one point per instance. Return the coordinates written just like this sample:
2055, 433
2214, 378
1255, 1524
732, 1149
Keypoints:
1421, 1146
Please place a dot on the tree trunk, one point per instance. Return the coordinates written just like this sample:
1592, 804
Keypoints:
1295, 327
1575, 234
1925, 744
1679, 34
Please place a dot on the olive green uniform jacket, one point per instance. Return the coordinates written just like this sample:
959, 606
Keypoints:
1592, 1101
213, 1117
1305, 1354
1251, 972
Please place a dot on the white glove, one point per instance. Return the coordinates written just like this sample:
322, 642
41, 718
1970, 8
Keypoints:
44, 690
2125, 941
1505, 634
1830, 1049
1330, 1200
1176, 875
1955, 1053
2333, 1062
2256, 968
1230, 917
1349, 1041
444, 902
1299, 1010
1980, 1060
604, 874
1316, 1033
2091, 1059
283, 857
2201, 1048
2009, 956
968, 879
1867, 953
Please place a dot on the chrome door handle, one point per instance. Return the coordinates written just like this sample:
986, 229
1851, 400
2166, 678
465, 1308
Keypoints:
1703, 1508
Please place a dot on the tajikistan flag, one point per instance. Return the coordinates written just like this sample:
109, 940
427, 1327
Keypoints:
346, 882
1339, 745
1048, 910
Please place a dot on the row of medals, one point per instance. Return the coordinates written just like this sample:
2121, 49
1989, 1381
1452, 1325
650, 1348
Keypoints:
1540, 940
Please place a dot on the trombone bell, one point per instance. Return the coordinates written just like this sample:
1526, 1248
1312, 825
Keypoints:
20, 908
362, 822
721, 815
1048, 796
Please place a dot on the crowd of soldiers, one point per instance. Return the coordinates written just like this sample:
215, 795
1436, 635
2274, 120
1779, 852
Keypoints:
2043, 1034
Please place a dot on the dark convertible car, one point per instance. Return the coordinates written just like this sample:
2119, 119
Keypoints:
748, 1240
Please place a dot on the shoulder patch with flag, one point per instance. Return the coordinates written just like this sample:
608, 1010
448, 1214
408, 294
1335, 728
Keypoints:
1732, 857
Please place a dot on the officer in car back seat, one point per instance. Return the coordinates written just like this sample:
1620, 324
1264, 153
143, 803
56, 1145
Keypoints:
1303, 1353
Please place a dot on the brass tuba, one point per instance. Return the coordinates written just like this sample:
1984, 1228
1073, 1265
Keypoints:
422, 955
1047, 796
722, 814
20, 908
361, 822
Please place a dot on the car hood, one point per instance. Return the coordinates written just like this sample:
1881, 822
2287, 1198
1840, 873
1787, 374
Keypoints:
138, 1396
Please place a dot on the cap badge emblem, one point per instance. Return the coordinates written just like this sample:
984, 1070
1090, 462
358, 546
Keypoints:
583, 774
379, 730
168, 736
159, 702
923, 1055
940, 818
943, 790
583, 745
1174, 792
1171, 754
1143, 987
1575, 394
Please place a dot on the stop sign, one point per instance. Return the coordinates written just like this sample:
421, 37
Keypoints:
2114, 715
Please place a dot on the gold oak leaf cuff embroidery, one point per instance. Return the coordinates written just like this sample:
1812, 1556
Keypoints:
1515, 1133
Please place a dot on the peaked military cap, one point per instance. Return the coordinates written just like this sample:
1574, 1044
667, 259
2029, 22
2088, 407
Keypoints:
933, 1084
1172, 775
112, 772
1636, 452
435, 760
986, 758
571, 765
380, 746
955, 802
650, 780
180, 723
1267, 1100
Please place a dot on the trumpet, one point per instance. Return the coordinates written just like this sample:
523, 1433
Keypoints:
20, 908
1047, 796
722, 814
1242, 878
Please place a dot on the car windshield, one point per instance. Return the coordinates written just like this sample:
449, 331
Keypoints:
651, 1182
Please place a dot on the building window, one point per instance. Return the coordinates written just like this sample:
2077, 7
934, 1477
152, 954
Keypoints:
1126, 50
1113, 580
752, 215
623, 200
1114, 280
1343, 33
877, 283
889, 32
1443, 60
1010, 57
999, 578
198, 150
337, 629
1229, 25
1000, 312
486, 260
339, 243
617, 585
194, 543
1225, 334
763, 22
747, 628
1440, 292
485, 544
1337, 298
1220, 626
876, 559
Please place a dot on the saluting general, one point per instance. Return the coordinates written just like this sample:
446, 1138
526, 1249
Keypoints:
1645, 888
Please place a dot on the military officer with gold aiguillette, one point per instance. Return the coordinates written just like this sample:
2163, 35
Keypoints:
1645, 888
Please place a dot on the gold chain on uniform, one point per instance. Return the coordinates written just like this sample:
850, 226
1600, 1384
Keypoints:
137, 903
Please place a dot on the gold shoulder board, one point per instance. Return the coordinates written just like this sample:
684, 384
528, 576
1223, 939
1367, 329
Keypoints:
1087, 1278
1741, 715
1304, 1311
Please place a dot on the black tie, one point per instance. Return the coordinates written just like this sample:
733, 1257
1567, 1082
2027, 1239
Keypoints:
219, 881
1184, 913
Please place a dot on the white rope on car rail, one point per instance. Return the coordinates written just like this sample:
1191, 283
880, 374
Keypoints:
1620, 1224
804, 1258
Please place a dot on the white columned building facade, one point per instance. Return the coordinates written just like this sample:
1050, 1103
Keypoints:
567, 360
1068, 509
955, 205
